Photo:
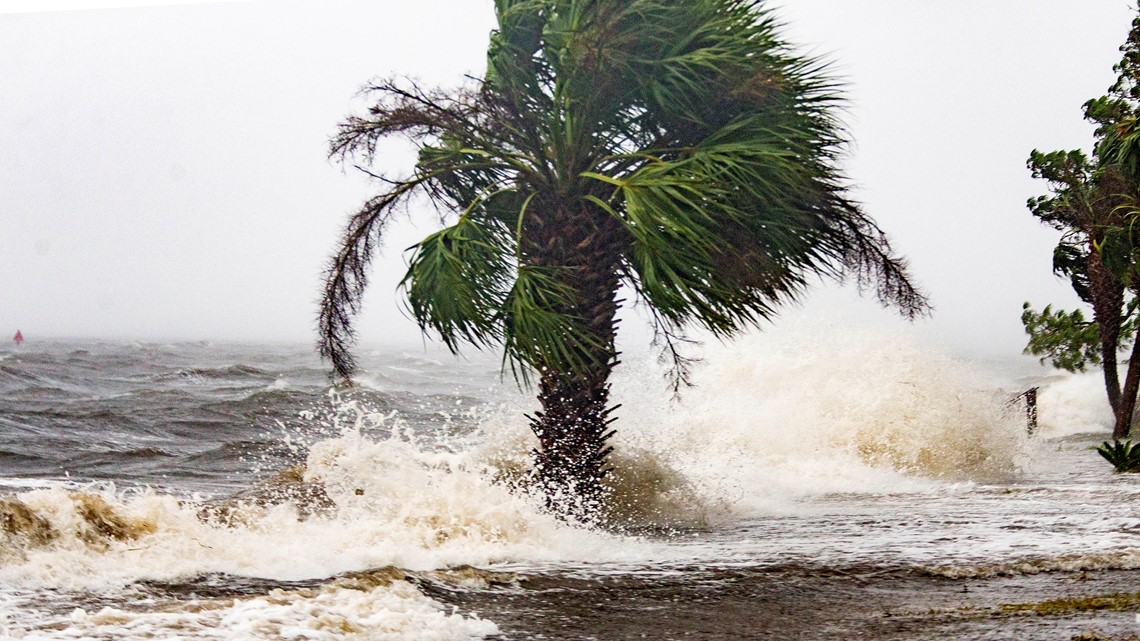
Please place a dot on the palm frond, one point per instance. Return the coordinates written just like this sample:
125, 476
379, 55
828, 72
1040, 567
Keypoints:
457, 280
346, 277
536, 328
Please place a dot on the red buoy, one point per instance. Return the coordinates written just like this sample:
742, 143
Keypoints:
18, 338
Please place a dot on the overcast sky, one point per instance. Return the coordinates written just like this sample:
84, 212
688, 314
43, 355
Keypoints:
163, 170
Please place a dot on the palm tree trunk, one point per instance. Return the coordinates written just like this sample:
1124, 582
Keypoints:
1107, 295
1128, 396
573, 425
572, 430
1111, 375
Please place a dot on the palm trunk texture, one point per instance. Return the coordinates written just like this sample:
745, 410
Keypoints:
1107, 295
573, 425
1128, 396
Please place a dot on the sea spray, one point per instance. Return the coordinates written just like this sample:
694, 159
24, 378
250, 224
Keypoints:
387, 498
1074, 404
100, 542
377, 610
772, 418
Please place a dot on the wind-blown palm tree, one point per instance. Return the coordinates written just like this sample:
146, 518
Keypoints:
678, 147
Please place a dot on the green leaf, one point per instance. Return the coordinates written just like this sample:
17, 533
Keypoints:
1123, 455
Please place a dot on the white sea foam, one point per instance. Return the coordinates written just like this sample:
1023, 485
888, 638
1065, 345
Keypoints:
396, 506
1074, 404
778, 417
774, 418
392, 611
396, 503
17, 483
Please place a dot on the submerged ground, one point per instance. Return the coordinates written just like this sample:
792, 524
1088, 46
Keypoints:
798, 603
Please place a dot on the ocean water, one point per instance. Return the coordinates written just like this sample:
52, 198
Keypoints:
809, 486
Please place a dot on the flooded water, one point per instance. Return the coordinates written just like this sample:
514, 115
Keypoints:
808, 487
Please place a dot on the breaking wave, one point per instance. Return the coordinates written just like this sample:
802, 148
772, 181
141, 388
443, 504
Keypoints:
775, 418
378, 502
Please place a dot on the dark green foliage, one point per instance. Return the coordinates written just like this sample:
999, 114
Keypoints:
1124, 455
1071, 261
1072, 190
1063, 338
678, 148
1066, 339
1115, 114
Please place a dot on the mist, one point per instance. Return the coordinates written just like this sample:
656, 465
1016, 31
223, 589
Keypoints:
163, 170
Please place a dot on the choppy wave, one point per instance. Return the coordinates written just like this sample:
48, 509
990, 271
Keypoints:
767, 417
14, 378
375, 607
387, 504
772, 419
860, 442
1127, 559
769, 423
229, 372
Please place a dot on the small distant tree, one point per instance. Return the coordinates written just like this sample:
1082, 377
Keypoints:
678, 148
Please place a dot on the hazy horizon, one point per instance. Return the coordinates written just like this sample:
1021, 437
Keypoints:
163, 172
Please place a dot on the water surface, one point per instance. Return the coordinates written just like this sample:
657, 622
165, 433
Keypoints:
872, 489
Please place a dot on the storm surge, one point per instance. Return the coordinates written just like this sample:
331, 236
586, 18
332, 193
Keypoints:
793, 450
771, 419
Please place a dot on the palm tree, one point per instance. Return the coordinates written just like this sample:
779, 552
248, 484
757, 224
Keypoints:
677, 147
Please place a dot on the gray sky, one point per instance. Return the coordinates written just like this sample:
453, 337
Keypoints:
163, 171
